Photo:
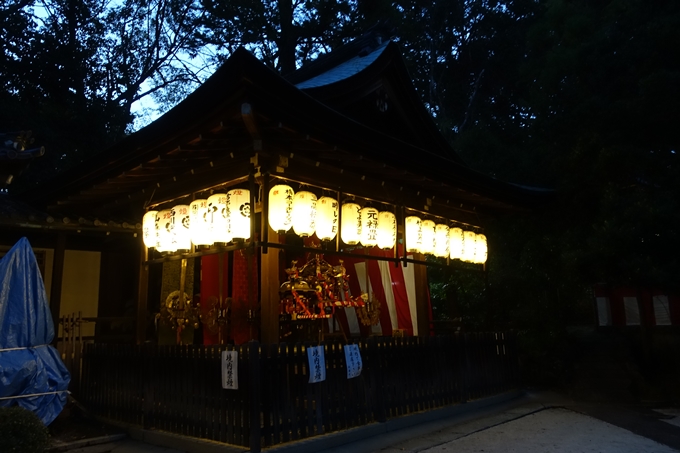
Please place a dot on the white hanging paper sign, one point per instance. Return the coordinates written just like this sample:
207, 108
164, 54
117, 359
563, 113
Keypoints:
230, 370
317, 364
353, 360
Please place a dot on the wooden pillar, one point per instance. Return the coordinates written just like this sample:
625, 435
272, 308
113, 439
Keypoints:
422, 305
142, 295
57, 281
270, 291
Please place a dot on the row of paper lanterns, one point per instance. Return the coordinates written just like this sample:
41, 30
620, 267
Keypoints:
225, 217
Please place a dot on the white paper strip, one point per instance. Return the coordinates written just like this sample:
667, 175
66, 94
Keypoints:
353, 360
662, 312
230, 370
317, 364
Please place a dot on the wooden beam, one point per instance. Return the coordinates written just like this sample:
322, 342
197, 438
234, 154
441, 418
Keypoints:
269, 299
142, 294
57, 281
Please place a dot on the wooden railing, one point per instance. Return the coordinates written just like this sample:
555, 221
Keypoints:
178, 388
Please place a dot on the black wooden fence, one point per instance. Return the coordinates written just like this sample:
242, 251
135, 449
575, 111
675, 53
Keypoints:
178, 388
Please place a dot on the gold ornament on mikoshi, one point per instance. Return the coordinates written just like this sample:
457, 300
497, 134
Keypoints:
481, 249
428, 237
180, 227
326, 218
350, 229
164, 230
281, 208
199, 222
456, 243
469, 238
217, 215
304, 213
441, 240
387, 230
414, 234
369, 227
149, 234
238, 213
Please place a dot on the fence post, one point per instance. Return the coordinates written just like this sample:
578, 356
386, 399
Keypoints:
147, 386
255, 395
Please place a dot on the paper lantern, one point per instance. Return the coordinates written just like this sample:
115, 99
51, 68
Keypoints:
428, 237
217, 215
180, 227
326, 218
350, 228
414, 234
481, 249
441, 240
304, 213
469, 246
369, 227
149, 234
387, 230
164, 231
456, 243
281, 208
199, 223
238, 213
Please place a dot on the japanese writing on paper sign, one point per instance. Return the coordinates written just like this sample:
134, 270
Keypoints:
317, 364
353, 360
230, 370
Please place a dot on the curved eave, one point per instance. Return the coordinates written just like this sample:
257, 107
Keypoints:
274, 101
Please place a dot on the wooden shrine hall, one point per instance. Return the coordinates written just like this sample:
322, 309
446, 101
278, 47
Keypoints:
344, 140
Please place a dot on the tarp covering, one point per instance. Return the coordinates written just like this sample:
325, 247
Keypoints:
28, 364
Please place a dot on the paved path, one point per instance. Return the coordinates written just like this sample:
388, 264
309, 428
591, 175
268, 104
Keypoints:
538, 422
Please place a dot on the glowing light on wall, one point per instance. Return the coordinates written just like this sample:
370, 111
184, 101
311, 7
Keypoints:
281, 208
369, 227
304, 213
387, 230
469, 246
180, 227
149, 234
326, 218
350, 229
456, 243
481, 249
217, 214
199, 222
414, 234
441, 240
238, 213
428, 237
164, 231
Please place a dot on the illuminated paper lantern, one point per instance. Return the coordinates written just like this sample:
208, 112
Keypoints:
149, 234
217, 215
164, 231
387, 230
281, 208
180, 227
414, 234
199, 223
481, 249
456, 243
350, 228
428, 237
304, 213
369, 227
326, 218
441, 240
469, 246
238, 213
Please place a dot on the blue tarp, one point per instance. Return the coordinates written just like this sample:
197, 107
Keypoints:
28, 364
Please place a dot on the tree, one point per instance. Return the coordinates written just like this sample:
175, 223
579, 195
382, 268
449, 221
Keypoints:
74, 69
